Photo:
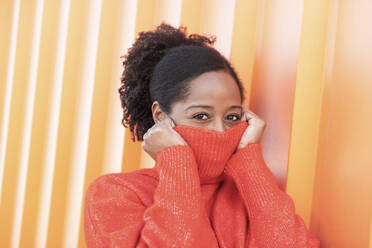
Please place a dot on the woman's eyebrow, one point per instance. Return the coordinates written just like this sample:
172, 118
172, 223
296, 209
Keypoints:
198, 106
236, 106
210, 107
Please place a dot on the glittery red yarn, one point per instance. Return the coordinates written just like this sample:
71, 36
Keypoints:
201, 195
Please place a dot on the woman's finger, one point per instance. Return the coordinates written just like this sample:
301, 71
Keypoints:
247, 115
253, 118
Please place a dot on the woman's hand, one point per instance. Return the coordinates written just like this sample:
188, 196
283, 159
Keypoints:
254, 131
160, 136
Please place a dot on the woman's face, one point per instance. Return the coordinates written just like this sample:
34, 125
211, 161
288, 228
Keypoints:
214, 103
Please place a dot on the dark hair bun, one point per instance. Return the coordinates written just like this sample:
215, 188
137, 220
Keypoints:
139, 64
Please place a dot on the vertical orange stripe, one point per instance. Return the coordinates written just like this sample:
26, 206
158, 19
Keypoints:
274, 78
74, 61
168, 11
244, 42
217, 18
17, 136
42, 114
370, 235
328, 68
307, 107
191, 15
6, 12
346, 178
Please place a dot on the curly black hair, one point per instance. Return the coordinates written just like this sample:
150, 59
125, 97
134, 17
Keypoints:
149, 75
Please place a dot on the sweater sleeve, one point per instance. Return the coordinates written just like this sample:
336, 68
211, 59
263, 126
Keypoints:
273, 221
177, 217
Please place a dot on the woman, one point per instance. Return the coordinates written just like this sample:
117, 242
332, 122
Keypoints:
210, 186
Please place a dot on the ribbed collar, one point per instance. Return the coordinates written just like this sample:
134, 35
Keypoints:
212, 149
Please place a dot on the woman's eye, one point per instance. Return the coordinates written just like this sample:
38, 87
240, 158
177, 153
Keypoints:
201, 117
233, 117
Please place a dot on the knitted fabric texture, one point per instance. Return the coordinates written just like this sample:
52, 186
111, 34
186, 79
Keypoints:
201, 195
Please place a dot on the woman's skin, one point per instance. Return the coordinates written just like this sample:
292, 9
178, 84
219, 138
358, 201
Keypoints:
214, 103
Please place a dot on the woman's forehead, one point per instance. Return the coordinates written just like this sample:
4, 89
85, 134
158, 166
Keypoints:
214, 86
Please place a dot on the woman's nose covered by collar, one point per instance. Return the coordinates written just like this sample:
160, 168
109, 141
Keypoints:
211, 148
218, 126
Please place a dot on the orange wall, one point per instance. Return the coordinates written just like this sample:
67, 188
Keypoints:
344, 183
306, 67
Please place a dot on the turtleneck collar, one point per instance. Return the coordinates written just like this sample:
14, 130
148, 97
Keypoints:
212, 149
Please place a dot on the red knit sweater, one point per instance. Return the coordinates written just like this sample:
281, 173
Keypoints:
200, 195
